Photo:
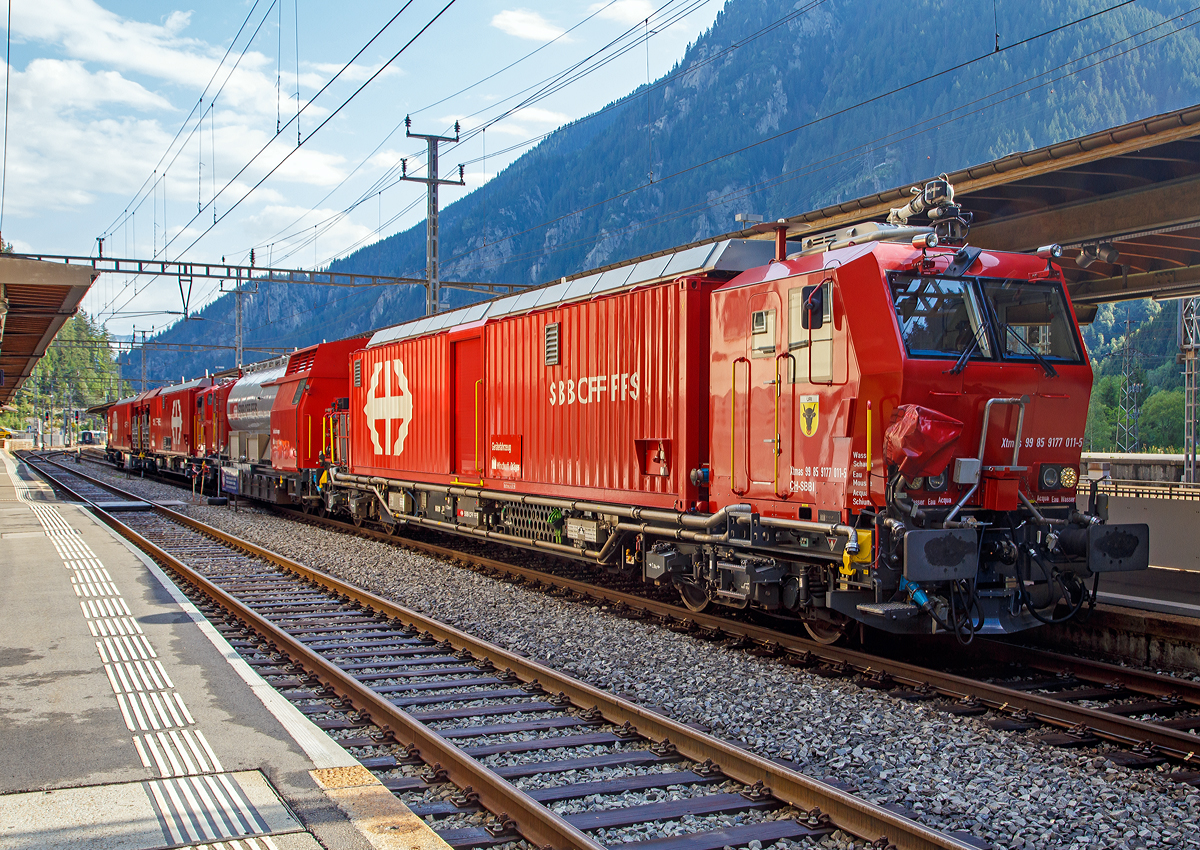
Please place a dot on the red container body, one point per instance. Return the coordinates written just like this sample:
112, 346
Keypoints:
315, 377
821, 467
212, 434
399, 418
621, 416
143, 413
175, 419
120, 426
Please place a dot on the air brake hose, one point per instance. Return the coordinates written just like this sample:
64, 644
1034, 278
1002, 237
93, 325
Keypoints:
920, 597
1051, 575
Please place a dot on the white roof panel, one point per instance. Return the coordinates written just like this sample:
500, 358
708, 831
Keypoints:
730, 255
473, 313
527, 300
580, 287
503, 306
553, 294
689, 260
612, 279
648, 270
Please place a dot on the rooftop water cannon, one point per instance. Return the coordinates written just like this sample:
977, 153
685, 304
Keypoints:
936, 201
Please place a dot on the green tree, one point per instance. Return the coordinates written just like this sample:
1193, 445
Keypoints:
77, 372
1160, 426
1098, 433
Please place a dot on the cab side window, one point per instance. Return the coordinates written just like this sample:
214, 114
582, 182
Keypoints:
762, 333
815, 366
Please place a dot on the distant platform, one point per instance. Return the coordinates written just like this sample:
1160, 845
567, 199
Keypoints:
1166, 590
131, 724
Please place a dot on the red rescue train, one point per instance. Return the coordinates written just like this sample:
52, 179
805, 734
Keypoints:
865, 427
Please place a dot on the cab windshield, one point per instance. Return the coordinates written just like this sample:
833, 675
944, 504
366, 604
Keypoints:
974, 318
1031, 316
940, 316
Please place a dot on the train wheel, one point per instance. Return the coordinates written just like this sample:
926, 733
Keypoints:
826, 633
306, 507
358, 521
693, 595
391, 528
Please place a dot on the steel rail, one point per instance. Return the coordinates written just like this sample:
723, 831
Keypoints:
535, 822
1123, 731
848, 812
1090, 670
1126, 732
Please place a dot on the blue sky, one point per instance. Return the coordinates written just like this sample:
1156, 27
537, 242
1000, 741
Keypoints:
99, 91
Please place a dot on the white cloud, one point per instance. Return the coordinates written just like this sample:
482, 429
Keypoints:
624, 11
302, 251
527, 24
356, 73
68, 85
537, 115
87, 32
388, 158
530, 121
475, 179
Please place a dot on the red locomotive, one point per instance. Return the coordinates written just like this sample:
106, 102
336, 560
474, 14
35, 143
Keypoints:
873, 428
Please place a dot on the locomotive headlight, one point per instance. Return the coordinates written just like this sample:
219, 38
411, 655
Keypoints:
937, 483
1069, 477
1050, 478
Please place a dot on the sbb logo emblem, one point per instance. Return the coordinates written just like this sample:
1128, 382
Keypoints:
389, 413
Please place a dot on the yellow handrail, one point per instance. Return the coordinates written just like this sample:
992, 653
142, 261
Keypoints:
868, 452
478, 468
778, 436
733, 429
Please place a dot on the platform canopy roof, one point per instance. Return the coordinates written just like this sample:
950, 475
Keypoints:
36, 299
1135, 187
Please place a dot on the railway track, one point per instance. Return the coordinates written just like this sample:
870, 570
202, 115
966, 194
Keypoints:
1153, 718
1078, 702
423, 704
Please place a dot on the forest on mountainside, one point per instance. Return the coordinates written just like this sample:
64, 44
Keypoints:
775, 110
77, 372
1153, 333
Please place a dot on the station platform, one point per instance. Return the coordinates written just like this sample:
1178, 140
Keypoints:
128, 722
1172, 584
1164, 590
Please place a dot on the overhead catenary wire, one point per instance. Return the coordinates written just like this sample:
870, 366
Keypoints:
296, 118
912, 131
300, 109
639, 225
388, 179
743, 192
702, 164
7, 77
1022, 88
548, 86
296, 15
843, 111
385, 181
333, 114
138, 194
126, 218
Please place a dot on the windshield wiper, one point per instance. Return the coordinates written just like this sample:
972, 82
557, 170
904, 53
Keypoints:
1042, 361
961, 362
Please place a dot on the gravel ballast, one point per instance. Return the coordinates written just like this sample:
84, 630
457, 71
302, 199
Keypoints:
951, 773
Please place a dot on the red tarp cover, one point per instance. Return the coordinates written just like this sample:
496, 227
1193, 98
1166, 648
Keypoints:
920, 441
